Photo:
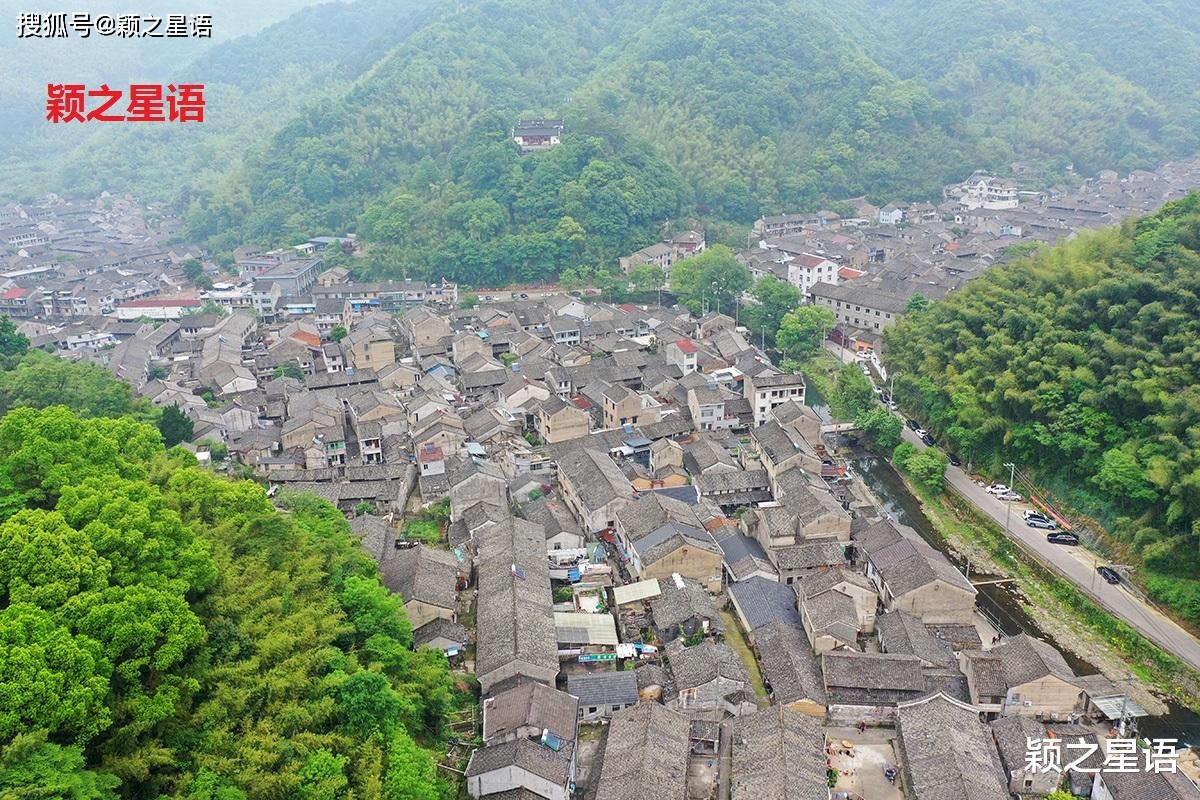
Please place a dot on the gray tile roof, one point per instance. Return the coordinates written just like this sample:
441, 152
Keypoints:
440, 628
1011, 735
677, 536
761, 601
646, 755
530, 704
675, 605
808, 556
789, 667
699, 664
948, 753
595, 477
989, 674
514, 621
900, 632
1149, 786
1026, 659
604, 688
833, 614
650, 511
716, 483
906, 565
778, 754
534, 757
421, 574
818, 582
869, 677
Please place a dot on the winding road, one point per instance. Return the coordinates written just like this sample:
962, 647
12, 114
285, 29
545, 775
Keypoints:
1077, 565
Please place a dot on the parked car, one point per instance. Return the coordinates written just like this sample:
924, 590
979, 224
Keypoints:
1109, 574
912, 424
954, 462
928, 440
920, 432
1044, 524
1009, 497
998, 488
1033, 512
1062, 537
891, 404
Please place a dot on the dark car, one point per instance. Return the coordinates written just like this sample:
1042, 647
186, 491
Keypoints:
912, 424
1109, 574
928, 440
1044, 524
1062, 537
954, 462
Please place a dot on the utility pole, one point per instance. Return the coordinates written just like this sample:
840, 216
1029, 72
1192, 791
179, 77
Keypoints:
762, 343
1012, 469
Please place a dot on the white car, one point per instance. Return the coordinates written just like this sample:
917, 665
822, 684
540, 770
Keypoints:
1032, 512
995, 488
1009, 497
922, 433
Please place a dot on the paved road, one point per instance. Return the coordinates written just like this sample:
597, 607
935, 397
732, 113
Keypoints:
1077, 565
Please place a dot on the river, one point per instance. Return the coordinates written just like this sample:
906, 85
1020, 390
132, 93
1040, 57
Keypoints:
1001, 602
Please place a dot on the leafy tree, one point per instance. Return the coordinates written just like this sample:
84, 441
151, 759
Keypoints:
289, 369
1121, 476
52, 680
881, 427
1061, 794
175, 426
927, 467
776, 299
45, 562
368, 704
854, 395
469, 300
713, 279
918, 302
374, 610
39, 380
12, 341
801, 330
192, 269
323, 776
43, 452
338, 332
30, 766
411, 774
646, 278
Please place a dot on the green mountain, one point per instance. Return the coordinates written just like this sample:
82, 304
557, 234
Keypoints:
673, 107
1080, 364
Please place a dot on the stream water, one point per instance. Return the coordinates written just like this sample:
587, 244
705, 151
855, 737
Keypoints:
1001, 602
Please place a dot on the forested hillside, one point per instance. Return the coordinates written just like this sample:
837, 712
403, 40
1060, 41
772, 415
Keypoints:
1081, 363
352, 114
166, 632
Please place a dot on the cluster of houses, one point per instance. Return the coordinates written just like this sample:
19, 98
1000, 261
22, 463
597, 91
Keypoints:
645, 528
866, 266
629, 495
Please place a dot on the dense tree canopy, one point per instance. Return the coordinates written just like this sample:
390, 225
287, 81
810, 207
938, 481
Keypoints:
1080, 363
187, 637
711, 281
672, 107
802, 329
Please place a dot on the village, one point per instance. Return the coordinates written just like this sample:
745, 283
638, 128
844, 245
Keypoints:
622, 519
